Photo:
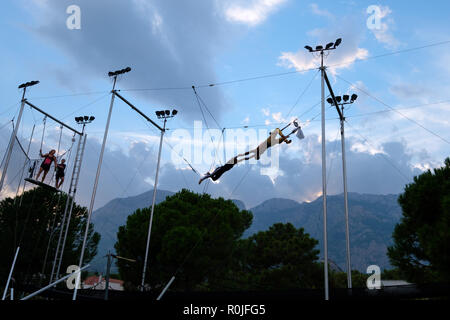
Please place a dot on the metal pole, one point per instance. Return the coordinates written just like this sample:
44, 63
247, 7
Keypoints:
71, 208
108, 268
153, 206
10, 273
13, 140
70, 200
344, 175
54, 283
97, 176
324, 181
165, 288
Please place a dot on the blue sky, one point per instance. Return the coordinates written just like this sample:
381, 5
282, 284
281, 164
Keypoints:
174, 44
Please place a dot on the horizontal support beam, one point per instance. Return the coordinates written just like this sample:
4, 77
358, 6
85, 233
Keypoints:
51, 117
341, 116
137, 110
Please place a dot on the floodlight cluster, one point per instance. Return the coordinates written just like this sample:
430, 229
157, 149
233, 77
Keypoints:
84, 119
117, 72
329, 46
163, 114
345, 99
28, 84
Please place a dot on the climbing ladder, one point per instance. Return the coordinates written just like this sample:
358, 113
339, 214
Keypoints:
68, 209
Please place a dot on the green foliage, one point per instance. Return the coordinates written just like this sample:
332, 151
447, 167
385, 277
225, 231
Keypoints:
339, 279
30, 223
282, 257
191, 233
422, 238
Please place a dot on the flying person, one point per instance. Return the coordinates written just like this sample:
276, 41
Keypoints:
60, 172
49, 158
256, 153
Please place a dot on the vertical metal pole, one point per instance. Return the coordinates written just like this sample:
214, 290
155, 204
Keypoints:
69, 200
94, 191
13, 140
153, 206
72, 201
324, 182
64, 217
347, 235
10, 273
108, 268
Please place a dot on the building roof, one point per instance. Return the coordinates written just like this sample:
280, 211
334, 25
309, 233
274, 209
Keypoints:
92, 280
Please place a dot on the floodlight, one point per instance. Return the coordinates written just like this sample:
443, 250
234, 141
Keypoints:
329, 45
86, 118
309, 48
346, 97
319, 48
92, 118
330, 100
167, 112
353, 97
174, 112
338, 42
338, 98
295, 124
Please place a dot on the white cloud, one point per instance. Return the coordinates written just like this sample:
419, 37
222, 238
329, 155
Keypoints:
341, 58
317, 11
383, 33
265, 111
254, 13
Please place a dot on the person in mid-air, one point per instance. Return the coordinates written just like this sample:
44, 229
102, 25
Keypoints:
256, 153
49, 158
59, 177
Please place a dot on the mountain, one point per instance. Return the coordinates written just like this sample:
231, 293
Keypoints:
111, 216
372, 219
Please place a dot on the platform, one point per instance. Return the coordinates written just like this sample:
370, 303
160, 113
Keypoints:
41, 184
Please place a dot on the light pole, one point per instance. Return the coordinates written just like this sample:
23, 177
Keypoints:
83, 120
163, 115
346, 100
114, 75
23, 86
321, 49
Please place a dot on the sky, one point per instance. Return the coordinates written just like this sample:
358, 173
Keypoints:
252, 74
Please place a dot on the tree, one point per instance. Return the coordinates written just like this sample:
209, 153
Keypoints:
32, 221
421, 249
282, 257
193, 235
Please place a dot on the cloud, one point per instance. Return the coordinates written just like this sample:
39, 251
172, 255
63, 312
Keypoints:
341, 58
166, 43
317, 11
253, 13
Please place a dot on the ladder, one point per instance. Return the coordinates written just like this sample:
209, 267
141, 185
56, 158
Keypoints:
68, 209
